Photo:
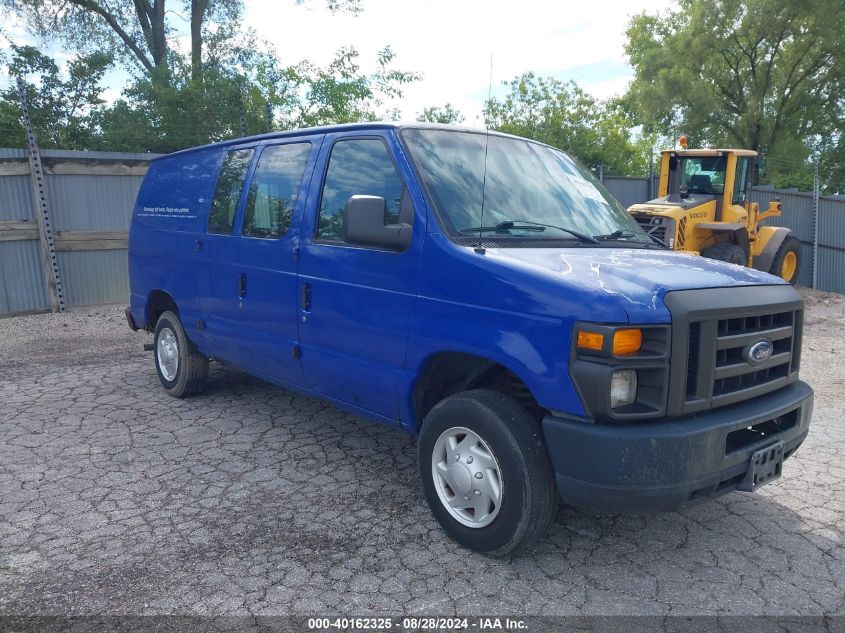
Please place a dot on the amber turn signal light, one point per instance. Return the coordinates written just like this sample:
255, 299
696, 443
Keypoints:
626, 341
590, 340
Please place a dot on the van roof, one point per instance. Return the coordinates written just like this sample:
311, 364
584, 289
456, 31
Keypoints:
339, 127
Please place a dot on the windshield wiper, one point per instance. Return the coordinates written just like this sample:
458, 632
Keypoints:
622, 233
530, 225
619, 233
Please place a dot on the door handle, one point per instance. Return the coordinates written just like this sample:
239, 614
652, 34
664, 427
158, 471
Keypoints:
242, 285
305, 296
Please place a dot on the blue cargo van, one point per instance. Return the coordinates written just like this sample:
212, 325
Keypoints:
484, 292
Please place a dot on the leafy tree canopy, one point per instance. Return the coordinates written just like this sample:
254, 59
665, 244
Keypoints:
441, 114
239, 88
765, 75
140, 32
563, 115
63, 105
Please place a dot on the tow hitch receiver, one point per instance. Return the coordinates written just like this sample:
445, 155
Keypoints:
766, 466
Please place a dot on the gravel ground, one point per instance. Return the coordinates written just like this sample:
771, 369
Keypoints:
250, 499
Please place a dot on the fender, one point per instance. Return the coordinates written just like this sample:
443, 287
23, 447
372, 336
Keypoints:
772, 237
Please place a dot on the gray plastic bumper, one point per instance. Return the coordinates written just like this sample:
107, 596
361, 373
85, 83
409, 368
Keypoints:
668, 464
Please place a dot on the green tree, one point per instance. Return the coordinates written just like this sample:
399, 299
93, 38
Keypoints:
138, 32
239, 92
441, 114
340, 93
765, 75
230, 85
64, 106
563, 115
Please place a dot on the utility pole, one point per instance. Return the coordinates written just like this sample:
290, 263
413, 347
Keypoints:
241, 112
816, 191
268, 116
39, 198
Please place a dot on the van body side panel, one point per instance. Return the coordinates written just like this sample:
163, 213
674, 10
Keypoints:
354, 334
169, 217
513, 315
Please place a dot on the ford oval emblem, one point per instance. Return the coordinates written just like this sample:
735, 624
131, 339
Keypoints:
760, 352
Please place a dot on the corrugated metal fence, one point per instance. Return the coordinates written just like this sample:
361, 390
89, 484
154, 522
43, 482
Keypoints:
90, 196
798, 215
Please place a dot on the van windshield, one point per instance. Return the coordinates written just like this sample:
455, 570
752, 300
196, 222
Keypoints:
532, 191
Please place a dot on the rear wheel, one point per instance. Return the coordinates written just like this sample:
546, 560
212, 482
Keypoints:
787, 260
181, 369
485, 472
727, 252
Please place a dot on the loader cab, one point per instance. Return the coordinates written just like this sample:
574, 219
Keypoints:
690, 178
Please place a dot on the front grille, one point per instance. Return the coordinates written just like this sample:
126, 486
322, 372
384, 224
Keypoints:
733, 371
657, 226
719, 368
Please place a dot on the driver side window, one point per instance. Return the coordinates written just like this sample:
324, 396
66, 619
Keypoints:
358, 167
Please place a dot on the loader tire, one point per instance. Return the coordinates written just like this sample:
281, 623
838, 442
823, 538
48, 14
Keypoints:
787, 260
727, 252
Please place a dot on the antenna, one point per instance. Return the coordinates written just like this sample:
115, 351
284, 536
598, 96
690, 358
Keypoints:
479, 248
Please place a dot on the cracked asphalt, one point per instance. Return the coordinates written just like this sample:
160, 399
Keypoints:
250, 499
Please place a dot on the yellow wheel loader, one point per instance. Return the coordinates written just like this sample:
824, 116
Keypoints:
703, 207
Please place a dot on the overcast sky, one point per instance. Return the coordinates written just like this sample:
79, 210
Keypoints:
450, 42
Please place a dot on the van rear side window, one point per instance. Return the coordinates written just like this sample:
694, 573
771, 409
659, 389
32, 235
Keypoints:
224, 205
273, 191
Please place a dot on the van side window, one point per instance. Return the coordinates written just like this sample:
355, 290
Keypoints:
221, 219
358, 167
273, 191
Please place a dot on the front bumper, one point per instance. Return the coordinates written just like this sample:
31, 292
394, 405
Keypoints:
669, 464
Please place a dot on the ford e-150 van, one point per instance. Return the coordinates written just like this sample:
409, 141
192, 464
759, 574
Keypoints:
483, 292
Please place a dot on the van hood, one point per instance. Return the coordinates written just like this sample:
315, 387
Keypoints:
637, 279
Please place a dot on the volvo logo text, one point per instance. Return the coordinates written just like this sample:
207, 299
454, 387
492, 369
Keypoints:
760, 352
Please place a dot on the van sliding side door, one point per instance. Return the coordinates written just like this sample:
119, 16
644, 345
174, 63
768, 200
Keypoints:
255, 278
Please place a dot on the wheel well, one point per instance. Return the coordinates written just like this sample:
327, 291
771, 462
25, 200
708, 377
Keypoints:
448, 373
157, 303
733, 235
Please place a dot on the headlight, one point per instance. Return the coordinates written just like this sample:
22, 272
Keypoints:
623, 388
621, 371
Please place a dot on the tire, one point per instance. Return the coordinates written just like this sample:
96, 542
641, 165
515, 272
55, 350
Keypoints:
727, 252
513, 438
787, 262
187, 374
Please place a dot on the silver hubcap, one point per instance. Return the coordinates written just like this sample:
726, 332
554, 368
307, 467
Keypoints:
467, 477
167, 353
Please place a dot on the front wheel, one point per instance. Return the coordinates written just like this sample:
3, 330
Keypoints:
181, 369
485, 472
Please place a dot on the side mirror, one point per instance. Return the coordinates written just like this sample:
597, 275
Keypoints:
363, 223
673, 163
761, 167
